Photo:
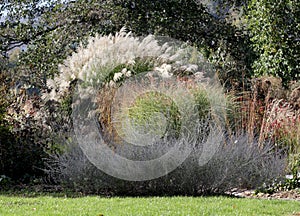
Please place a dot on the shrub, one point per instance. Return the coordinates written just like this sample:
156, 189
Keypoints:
148, 109
20, 154
23, 148
6, 137
5, 182
274, 29
236, 163
161, 110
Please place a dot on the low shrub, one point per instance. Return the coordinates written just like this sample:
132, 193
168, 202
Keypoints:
235, 163
24, 136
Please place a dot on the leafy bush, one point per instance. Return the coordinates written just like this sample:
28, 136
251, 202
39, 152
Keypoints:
23, 149
20, 155
274, 29
5, 182
5, 134
23, 132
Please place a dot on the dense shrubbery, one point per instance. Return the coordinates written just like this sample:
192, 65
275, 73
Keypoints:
30, 125
23, 135
5, 135
238, 161
21, 153
274, 30
60, 29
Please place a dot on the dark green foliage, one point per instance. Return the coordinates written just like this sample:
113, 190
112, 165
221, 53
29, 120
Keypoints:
275, 31
5, 135
53, 31
22, 156
5, 182
188, 20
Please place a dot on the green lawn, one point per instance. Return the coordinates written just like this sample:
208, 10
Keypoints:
93, 205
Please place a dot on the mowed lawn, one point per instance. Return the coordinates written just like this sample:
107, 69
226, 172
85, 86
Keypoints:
93, 205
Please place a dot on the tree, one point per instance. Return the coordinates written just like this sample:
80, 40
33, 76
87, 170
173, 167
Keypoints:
193, 21
275, 33
52, 31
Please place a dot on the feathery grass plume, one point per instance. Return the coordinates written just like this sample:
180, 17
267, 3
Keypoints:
93, 63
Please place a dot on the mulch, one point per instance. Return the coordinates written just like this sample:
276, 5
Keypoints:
281, 195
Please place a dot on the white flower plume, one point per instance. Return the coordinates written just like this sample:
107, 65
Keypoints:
94, 62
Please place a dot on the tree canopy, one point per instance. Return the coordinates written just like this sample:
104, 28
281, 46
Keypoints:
275, 32
267, 42
52, 30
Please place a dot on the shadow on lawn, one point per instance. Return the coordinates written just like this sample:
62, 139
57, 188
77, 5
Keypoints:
32, 191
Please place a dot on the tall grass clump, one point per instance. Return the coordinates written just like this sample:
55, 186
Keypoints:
281, 125
270, 113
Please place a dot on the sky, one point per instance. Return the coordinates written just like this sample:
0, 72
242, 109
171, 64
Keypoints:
3, 15
41, 4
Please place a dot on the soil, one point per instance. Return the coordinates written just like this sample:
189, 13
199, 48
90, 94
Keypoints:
282, 195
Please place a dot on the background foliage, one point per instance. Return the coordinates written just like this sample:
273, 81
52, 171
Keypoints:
275, 33
50, 32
